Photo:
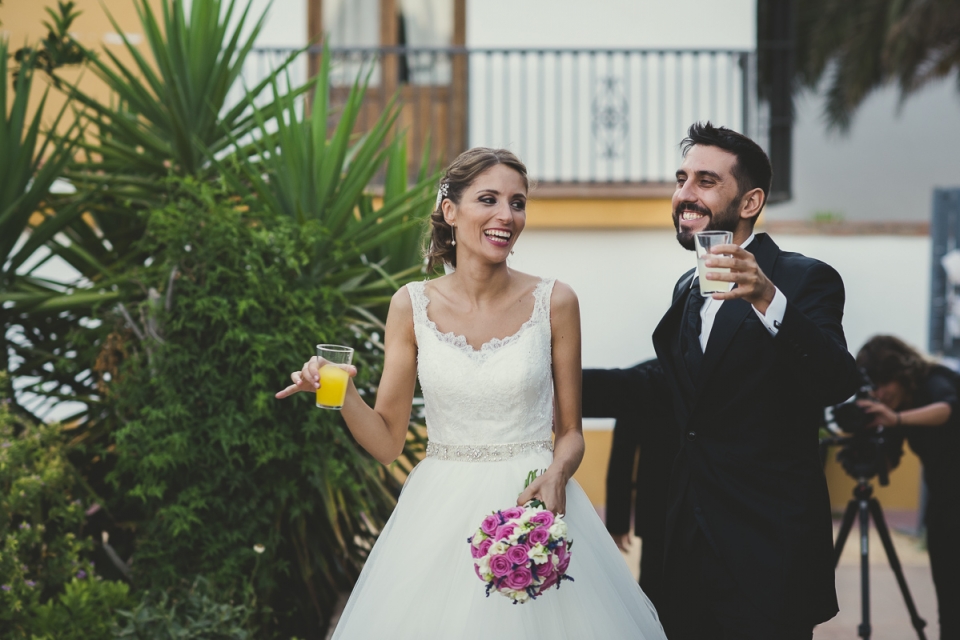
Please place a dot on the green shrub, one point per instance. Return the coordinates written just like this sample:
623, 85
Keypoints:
86, 610
214, 463
47, 583
188, 613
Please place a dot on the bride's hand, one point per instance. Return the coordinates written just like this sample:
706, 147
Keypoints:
308, 378
550, 488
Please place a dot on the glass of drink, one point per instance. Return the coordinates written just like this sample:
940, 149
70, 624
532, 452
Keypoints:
703, 241
333, 379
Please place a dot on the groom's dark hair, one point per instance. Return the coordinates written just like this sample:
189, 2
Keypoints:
753, 168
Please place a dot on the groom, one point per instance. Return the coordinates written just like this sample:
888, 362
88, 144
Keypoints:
749, 539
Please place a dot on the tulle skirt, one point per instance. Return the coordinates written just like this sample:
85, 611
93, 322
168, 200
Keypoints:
419, 581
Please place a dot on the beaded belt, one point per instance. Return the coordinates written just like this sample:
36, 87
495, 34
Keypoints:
485, 452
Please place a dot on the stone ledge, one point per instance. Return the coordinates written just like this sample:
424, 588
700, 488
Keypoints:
844, 228
601, 190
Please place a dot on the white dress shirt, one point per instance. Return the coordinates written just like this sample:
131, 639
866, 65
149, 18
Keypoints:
771, 320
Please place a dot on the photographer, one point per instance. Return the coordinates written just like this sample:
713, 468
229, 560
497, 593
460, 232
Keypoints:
921, 401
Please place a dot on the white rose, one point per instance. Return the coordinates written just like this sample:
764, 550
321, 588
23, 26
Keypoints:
538, 553
558, 529
519, 596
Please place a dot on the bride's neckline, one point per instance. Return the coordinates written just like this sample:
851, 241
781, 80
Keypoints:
493, 344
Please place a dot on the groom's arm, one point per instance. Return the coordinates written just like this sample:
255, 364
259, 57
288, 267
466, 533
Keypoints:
811, 334
608, 393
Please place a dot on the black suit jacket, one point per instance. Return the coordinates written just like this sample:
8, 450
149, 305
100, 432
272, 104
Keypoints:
748, 472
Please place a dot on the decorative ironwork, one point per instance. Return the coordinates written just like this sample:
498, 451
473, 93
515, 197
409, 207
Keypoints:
611, 117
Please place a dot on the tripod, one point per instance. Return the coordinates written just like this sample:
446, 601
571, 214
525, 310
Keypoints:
864, 504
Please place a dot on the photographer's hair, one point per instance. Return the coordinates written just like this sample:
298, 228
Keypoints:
752, 170
458, 176
888, 359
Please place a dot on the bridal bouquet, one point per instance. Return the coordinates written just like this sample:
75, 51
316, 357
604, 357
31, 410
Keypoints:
521, 552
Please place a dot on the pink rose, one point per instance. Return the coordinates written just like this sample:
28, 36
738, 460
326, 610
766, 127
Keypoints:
519, 579
485, 547
542, 518
490, 524
517, 555
505, 530
561, 551
549, 582
500, 565
544, 569
538, 536
512, 512
562, 567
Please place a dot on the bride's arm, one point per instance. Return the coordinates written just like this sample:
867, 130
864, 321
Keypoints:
381, 430
568, 446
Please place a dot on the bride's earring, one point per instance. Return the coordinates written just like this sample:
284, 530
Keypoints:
453, 237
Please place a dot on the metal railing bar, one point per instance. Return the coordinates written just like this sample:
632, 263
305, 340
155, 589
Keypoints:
574, 156
626, 92
592, 84
541, 107
528, 50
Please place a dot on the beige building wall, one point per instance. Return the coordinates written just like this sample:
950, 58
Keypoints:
23, 25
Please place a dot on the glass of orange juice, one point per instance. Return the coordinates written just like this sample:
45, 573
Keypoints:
333, 379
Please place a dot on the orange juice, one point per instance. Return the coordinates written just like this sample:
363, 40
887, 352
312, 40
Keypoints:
333, 387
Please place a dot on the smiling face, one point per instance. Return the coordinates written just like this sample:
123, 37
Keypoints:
490, 215
707, 196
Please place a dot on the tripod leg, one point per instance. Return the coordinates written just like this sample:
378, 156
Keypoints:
864, 630
845, 525
881, 524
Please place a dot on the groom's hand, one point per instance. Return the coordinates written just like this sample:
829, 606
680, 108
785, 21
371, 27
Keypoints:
751, 283
622, 540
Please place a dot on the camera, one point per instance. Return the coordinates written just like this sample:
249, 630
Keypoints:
864, 452
849, 417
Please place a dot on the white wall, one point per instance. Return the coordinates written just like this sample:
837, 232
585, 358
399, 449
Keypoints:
625, 279
888, 164
611, 23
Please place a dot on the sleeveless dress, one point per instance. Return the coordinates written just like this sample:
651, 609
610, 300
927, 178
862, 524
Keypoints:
489, 415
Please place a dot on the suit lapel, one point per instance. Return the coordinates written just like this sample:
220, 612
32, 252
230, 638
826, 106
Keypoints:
733, 312
665, 338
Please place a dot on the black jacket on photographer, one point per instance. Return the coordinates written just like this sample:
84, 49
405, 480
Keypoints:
938, 447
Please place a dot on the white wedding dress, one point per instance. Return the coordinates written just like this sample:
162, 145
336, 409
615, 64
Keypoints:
489, 421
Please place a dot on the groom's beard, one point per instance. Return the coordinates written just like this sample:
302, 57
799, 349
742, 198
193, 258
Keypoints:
726, 220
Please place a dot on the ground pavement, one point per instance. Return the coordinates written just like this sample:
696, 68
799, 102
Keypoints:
889, 617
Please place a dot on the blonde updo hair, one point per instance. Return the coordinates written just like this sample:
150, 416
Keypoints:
459, 175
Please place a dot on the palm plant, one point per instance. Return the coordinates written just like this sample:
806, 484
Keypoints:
301, 173
171, 110
30, 161
862, 45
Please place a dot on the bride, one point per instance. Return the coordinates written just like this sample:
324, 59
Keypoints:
498, 356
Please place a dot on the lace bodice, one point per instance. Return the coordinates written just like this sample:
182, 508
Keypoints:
499, 394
